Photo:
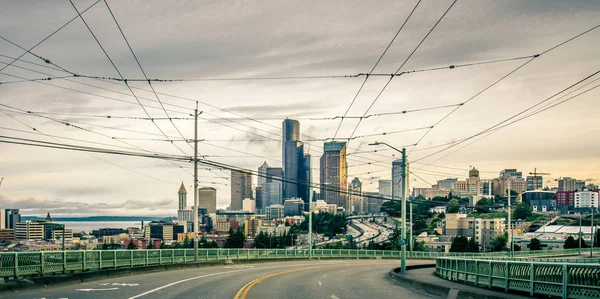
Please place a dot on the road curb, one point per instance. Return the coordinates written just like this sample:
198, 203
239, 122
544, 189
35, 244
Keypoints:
442, 291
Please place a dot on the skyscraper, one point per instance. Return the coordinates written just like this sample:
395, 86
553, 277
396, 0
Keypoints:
207, 199
397, 178
273, 190
182, 197
296, 175
333, 173
355, 197
385, 188
241, 187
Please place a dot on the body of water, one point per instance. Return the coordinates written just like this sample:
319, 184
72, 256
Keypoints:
88, 226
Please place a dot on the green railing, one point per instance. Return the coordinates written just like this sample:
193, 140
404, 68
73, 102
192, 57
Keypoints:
566, 278
20, 264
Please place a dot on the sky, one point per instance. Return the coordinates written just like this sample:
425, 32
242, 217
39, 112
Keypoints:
240, 124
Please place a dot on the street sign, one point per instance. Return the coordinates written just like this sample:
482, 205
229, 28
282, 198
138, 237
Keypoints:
403, 242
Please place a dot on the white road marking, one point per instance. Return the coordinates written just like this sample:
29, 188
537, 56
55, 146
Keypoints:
334, 297
208, 275
324, 275
320, 283
89, 290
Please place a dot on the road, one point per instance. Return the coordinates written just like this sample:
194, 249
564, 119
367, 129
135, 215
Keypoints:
302, 279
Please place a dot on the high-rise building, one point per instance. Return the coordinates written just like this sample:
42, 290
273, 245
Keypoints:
273, 190
511, 173
260, 198
385, 188
333, 173
262, 174
586, 199
182, 197
534, 182
275, 211
397, 178
207, 199
9, 218
241, 187
295, 172
355, 198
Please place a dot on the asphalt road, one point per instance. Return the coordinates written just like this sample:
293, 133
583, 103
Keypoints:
301, 279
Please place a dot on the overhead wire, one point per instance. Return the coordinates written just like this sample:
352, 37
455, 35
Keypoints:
375, 66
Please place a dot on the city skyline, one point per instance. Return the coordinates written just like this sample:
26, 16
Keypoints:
560, 141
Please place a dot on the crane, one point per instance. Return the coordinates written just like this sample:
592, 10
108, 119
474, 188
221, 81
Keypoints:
1, 180
535, 174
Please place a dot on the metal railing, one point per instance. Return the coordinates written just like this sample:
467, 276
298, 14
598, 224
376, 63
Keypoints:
39, 263
555, 277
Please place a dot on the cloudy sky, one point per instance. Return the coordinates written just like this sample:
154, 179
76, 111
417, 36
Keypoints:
241, 120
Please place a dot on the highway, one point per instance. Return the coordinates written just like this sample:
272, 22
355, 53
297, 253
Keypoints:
302, 279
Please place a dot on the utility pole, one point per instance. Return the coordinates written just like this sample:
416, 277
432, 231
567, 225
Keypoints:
510, 231
310, 245
592, 234
579, 239
403, 232
411, 227
196, 229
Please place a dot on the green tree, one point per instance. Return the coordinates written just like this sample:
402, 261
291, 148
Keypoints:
131, 245
472, 246
535, 244
453, 206
236, 239
459, 244
570, 243
522, 211
482, 206
499, 242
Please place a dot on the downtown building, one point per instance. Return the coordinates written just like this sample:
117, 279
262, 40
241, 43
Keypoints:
397, 179
241, 187
270, 187
333, 179
296, 164
207, 199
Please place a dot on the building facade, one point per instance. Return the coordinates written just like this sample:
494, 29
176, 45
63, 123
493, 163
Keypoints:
241, 187
334, 169
385, 188
586, 199
207, 199
397, 178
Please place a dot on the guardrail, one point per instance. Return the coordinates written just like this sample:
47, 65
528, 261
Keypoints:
566, 279
19, 264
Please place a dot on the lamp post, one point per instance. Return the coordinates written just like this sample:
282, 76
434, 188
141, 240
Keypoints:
404, 189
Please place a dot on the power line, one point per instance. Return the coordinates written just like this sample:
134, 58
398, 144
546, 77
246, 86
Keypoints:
502, 78
401, 66
144, 73
120, 75
520, 113
46, 38
374, 66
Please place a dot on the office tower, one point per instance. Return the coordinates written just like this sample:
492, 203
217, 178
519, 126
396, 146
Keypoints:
385, 188
259, 195
182, 197
306, 179
262, 174
355, 201
295, 174
333, 173
241, 187
397, 178
207, 199
273, 190
293, 207
9, 218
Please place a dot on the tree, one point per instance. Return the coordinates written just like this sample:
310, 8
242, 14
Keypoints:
482, 206
236, 239
187, 243
499, 242
453, 206
459, 244
570, 243
131, 245
522, 211
472, 246
597, 238
535, 244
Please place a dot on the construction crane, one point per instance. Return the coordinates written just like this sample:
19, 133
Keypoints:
535, 174
1, 180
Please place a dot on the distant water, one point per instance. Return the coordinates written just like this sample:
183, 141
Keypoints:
88, 226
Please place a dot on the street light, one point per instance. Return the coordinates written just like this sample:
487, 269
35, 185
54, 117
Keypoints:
404, 188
